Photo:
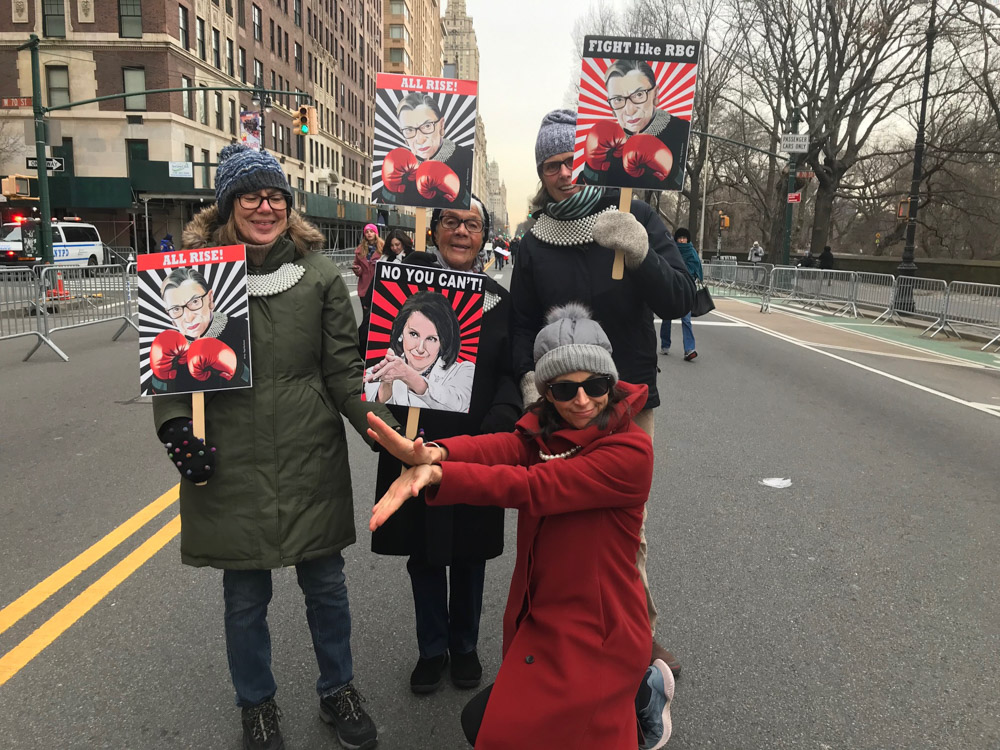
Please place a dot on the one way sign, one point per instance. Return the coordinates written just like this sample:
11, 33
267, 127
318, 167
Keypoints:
52, 163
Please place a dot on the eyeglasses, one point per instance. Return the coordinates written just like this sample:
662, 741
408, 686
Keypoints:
451, 223
251, 201
552, 168
593, 387
427, 128
194, 304
638, 96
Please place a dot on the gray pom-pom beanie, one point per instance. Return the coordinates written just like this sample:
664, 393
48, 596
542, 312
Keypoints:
244, 170
557, 135
572, 341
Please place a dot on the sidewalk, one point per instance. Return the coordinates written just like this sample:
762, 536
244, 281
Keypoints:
859, 334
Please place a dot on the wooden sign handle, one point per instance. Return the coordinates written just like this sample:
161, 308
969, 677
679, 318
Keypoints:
420, 240
412, 418
198, 419
624, 204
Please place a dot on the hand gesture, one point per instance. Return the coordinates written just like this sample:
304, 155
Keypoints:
410, 452
409, 484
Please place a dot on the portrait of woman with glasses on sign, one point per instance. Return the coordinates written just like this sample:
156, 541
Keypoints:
213, 351
432, 170
643, 147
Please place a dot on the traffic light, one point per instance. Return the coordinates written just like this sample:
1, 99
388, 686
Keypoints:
312, 120
723, 221
903, 210
16, 186
300, 121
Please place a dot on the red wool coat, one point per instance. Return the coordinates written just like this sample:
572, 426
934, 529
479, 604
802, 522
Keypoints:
576, 635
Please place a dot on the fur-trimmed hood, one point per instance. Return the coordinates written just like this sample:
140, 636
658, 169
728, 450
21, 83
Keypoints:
203, 231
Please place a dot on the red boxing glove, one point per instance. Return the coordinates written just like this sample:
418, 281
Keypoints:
398, 166
436, 178
168, 352
209, 356
646, 153
604, 141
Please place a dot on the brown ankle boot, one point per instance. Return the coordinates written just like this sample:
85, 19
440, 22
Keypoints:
671, 661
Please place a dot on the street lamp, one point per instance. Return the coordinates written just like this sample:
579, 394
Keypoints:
907, 267
255, 100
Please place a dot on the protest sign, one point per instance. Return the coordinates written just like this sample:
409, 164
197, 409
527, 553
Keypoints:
194, 332
423, 338
425, 132
634, 112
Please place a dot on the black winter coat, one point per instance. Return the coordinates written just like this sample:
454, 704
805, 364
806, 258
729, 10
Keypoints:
549, 275
444, 534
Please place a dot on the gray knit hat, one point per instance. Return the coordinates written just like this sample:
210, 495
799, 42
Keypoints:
557, 135
571, 341
244, 170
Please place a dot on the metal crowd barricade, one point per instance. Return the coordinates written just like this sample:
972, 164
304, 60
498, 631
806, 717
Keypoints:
21, 313
343, 260
76, 297
874, 292
975, 305
925, 299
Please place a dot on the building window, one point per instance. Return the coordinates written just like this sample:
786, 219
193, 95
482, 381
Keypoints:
271, 33
203, 105
297, 12
184, 32
206, 169
398, 8
399, 55
241, 13
66, 152
243, 65
129, 19
188, 153
398, 31
186, 97
258, 25
57, 82
232, 117
200, 38
136, 151
229, 8
54, 18
216, 49
218, 111
298, 58
229, 57
258, 73
135, 80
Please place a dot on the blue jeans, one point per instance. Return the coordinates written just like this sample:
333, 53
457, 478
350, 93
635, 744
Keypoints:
686, 330
442, 623
248, 641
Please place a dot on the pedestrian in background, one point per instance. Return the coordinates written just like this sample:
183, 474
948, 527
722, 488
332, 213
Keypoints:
578, 470
826, 260
447, 546
567, 256
756, 254
273, 487
683, 239
397, 246
167, 244
366, 255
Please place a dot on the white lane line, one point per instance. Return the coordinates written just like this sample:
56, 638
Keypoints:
932, 360
498, 275
792, 310
992, 407
889, 376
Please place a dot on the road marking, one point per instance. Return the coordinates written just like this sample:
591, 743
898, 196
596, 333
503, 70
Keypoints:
719, 323
35, 596
950, 362
15, 659
896, 378
498, 275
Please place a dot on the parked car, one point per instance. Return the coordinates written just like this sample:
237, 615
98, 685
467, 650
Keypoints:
73, 244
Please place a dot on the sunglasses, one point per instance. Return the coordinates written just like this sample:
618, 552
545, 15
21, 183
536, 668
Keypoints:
593, 387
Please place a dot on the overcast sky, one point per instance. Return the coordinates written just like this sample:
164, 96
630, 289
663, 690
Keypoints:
525, 70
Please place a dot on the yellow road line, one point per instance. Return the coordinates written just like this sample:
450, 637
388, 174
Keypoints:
35, 596
15, 659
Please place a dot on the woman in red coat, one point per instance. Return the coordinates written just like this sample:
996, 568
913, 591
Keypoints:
576, 633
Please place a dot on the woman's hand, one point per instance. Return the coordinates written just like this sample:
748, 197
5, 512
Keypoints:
394, 367
410, 452
409, 484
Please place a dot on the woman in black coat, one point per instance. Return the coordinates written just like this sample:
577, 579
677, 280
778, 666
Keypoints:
460, 537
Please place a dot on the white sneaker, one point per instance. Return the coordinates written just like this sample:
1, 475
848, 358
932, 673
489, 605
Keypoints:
654, 719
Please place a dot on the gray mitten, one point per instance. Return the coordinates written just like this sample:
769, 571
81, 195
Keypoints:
619, 231
529, 391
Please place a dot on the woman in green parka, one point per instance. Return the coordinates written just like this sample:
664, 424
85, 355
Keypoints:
276, 482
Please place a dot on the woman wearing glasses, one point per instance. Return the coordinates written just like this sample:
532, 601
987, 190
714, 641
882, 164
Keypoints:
211, 351
433, 170
575, 632
276, 491
644, 147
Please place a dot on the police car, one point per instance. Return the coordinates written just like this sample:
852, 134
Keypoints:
73, 243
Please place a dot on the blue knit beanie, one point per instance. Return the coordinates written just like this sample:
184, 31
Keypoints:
557, 135
244, 170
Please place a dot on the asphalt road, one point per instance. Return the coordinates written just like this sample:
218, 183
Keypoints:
855, 609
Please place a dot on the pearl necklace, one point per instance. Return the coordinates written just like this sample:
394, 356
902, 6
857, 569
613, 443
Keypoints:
564, 454
566, 233
490, 300
276, 282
